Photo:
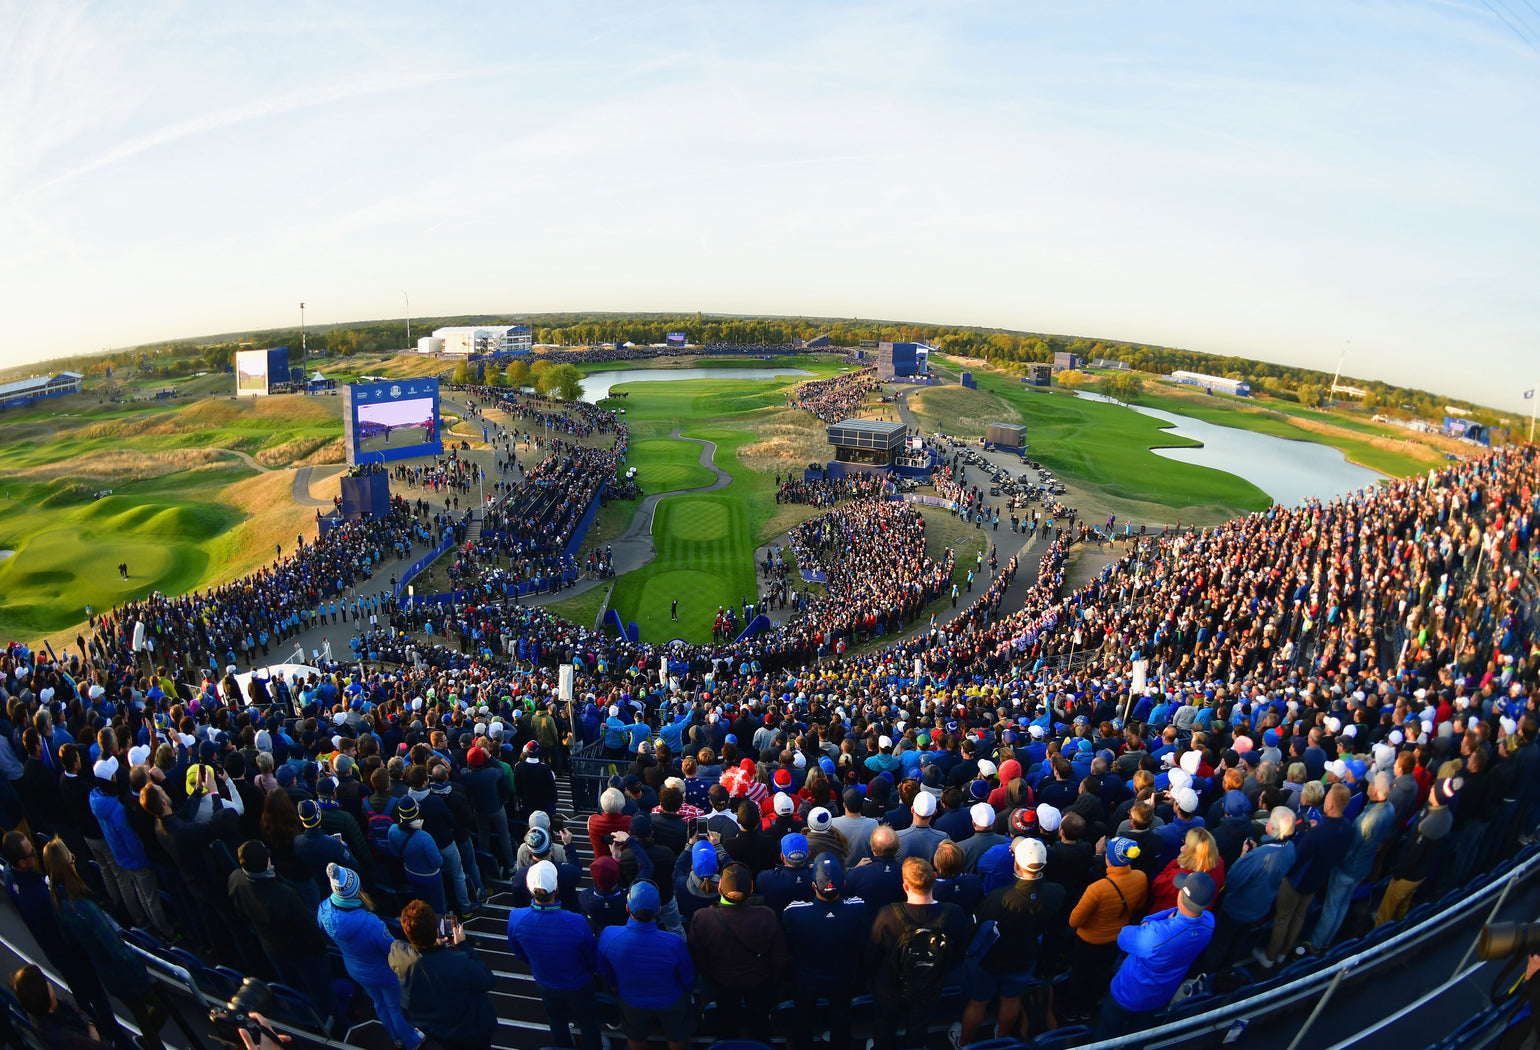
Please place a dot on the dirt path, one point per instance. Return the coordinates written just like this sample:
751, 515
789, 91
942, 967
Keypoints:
244, 458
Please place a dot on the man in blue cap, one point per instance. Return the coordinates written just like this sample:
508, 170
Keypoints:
695, 879
651, 972
562, 955
1160, 950
793, 880
827, 936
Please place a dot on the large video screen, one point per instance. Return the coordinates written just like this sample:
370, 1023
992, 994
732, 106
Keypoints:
392, 420
396, 424
676, 339
251, 376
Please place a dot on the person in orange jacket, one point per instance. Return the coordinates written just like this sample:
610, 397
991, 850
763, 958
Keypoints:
1107, 906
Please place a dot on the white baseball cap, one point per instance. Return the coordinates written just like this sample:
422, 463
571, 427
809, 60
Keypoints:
925, 804
1029, 854
541, 877
982, 814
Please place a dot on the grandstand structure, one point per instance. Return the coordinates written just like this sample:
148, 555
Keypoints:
1235, 387
22, 392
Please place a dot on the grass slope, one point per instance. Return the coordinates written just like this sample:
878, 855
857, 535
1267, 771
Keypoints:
1105, 449
67, 555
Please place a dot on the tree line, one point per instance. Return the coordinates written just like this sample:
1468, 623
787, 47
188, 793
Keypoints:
1009, 350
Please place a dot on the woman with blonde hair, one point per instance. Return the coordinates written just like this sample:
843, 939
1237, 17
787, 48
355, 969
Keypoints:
1199, 853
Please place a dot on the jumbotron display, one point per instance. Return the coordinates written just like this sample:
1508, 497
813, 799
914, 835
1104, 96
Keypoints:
389, 421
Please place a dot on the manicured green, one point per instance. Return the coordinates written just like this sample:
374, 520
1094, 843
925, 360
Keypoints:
667, 464
705, 559
1108, 446
706, 541
68, 547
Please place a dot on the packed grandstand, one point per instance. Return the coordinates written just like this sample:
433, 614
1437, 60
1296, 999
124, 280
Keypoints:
1234, 753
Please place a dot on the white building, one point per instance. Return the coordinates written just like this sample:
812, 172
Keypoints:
479, 341
1237, 387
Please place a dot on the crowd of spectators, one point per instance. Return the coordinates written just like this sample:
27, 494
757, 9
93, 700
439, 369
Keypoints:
832, 400
871, 556
1339, 708
828, 492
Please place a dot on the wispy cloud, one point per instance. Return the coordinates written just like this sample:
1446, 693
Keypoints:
260, 109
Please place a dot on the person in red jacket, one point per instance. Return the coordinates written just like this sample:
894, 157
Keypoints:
610, 819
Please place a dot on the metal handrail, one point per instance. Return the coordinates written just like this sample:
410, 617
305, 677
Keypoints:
1282, 997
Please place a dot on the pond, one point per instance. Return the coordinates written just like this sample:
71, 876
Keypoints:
1288, 471
596, 386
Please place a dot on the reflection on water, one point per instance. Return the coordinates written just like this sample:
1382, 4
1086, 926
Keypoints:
1288, 471
596, 387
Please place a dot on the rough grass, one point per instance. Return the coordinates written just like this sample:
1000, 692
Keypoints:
789, 439
108, 466
959, 411
331, 453
584, 608
294, 451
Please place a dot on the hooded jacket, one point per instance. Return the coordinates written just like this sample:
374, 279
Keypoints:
363, 939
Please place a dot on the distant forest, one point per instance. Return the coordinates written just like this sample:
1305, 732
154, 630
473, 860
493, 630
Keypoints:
1011, 351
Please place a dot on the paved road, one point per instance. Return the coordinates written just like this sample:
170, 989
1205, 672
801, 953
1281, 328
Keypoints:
302, 494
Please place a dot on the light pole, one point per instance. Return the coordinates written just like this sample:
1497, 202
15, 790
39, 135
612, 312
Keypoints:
1337, 379
302, 352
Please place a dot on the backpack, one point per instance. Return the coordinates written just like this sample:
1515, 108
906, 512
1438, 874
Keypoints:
922, 956
377, 831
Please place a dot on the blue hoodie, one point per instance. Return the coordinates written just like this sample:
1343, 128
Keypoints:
363, 939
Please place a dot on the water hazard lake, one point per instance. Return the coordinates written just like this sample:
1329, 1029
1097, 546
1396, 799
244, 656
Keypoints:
596, 386
1288, 471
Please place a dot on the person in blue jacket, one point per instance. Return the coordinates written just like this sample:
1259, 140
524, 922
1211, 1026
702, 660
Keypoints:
651, 972
127, 851
423, 862
562, 954
1160, 950
348, 919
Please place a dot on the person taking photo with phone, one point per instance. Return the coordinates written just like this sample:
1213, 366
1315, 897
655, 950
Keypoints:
444, 984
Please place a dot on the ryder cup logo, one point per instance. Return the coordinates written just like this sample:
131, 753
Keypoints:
395, 391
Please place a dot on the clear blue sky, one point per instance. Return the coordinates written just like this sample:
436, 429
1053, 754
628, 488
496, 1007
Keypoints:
1270, 180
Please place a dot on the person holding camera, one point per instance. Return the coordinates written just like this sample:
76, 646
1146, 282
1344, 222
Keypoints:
444, 984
